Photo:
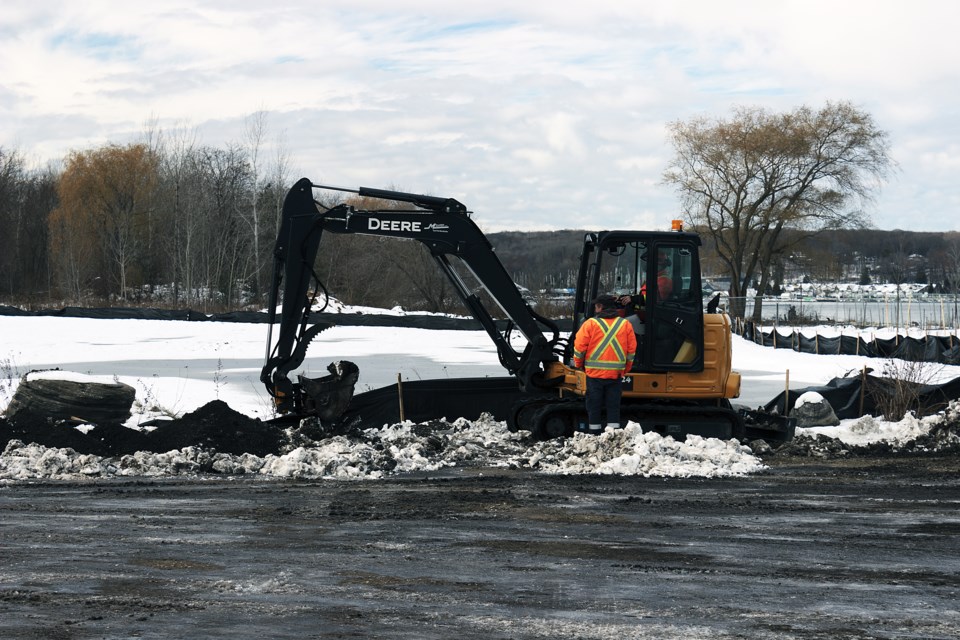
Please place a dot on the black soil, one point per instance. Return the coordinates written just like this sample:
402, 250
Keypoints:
214, 426
860, 548
217, 427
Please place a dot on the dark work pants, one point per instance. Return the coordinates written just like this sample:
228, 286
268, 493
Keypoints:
603, 393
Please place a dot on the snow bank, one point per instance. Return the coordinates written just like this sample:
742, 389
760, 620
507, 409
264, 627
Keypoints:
408, 448
630, 451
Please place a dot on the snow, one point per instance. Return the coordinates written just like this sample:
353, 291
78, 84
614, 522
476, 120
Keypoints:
869, 430
400, 449
177, 366
56, 374
811, 397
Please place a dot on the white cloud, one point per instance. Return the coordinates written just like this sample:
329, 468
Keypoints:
503, 105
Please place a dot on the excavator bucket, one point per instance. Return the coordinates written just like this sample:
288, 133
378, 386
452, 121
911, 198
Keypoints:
763, 425
328, 397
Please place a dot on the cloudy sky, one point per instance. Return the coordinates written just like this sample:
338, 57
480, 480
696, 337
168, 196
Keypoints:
540, 114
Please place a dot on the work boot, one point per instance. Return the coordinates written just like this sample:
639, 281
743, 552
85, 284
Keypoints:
595, 429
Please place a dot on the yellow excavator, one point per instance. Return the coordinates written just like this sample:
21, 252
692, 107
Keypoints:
681, 382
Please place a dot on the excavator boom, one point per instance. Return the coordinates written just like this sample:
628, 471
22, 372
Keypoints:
445, 227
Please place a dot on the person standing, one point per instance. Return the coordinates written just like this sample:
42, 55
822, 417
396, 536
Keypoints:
604, 346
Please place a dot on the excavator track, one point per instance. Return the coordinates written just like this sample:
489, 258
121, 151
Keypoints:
522, 413
681, 420
548, 418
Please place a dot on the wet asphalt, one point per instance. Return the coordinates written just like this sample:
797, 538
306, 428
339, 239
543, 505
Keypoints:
863, 548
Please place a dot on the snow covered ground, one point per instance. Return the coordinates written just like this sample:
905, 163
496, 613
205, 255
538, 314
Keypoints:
177, 367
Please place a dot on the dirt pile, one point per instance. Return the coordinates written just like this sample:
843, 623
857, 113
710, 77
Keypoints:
214, 426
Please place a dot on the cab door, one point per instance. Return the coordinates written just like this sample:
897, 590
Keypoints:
674, 308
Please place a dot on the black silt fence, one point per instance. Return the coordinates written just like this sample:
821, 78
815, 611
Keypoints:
930, 348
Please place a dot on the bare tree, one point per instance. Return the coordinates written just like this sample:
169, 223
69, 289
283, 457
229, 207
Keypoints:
748, 180
26, 199
901, 387
952, 268
11, 179
427, 287
224, 252
255, 129
178, 192
39, 198
897, 267
279, 182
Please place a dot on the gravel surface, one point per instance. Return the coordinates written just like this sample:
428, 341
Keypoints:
814, 547
828, 540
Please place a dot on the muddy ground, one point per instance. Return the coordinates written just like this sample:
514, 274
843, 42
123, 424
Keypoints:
215, 426
813, 548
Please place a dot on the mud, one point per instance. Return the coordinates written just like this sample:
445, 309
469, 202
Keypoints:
831, 541
214, 426
217, 427
860, 547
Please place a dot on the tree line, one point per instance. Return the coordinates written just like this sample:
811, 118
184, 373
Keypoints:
167, 222
160, 220
170, 222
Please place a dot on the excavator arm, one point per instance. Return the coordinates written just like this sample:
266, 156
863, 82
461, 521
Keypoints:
444, 226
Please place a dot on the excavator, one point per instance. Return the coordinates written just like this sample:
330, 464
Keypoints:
681, 382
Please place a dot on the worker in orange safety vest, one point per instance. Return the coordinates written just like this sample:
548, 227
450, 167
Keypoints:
604, 346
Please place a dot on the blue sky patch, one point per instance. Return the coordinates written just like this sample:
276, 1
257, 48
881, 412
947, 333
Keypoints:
462, 28
102, 46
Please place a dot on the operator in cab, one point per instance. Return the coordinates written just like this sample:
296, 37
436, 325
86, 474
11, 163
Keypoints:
634, 306
604, 346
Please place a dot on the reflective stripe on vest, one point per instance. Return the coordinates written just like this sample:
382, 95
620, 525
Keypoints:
609, 340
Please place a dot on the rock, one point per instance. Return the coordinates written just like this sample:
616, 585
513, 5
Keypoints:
813, 410
58, 400
760, 447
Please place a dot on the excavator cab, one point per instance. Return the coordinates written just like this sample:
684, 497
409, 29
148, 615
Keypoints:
660, 271
682, 380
